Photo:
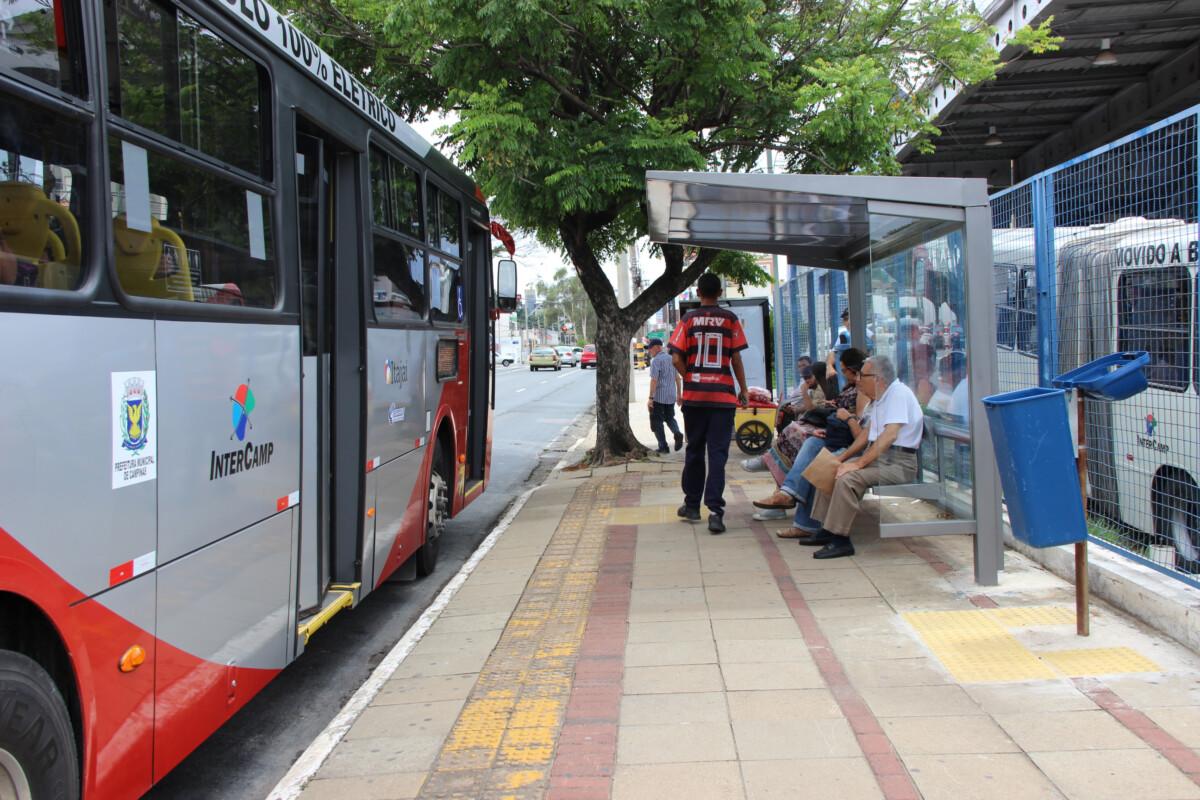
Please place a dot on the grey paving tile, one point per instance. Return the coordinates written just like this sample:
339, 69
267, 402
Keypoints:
689, 630
691, 781
771, 628
767, 740
703, 742
1116, 775
923, 671
810, 779
392, 786
673, 679
947, 735
759, 676
768, 705
1047, 731
1016, 697
920, 701
652, 654
990, 776
769, 651
673, 709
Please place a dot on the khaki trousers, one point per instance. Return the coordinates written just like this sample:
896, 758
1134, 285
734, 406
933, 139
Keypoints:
836, 514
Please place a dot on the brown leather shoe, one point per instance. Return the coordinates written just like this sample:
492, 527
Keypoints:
777, 500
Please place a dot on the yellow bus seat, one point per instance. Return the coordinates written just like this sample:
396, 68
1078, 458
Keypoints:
57, 273
139, 256
25, 214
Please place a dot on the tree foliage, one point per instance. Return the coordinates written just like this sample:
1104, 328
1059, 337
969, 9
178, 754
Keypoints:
563, 105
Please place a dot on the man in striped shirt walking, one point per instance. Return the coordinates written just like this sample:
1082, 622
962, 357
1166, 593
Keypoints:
665, 384
706, 349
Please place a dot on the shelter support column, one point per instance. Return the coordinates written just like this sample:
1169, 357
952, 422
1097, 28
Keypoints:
981, 366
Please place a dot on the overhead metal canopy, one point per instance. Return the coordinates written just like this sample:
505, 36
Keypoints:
1049, 108
814, 220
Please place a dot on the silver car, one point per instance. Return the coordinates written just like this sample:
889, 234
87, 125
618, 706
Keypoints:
567, 355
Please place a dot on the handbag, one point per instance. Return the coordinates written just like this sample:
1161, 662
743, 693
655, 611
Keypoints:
838, 434
818, 417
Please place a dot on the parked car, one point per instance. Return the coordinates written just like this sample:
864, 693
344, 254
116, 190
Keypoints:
567, 356
544, 357
588, 357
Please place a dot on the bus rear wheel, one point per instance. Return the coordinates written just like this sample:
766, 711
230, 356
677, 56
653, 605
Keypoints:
1177, 520
437, 510
37, 747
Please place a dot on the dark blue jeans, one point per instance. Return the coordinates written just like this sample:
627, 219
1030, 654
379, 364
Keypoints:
663, 413
708, 431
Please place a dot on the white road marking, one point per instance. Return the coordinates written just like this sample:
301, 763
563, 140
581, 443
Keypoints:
520, 390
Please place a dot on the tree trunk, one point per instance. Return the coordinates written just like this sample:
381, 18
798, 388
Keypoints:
615, 327
614, 436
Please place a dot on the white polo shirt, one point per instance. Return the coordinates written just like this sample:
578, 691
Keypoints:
898, 405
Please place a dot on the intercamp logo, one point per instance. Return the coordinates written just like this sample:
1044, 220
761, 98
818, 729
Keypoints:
243, 404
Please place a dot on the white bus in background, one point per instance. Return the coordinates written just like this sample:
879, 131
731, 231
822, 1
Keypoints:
1129, 285
508, 350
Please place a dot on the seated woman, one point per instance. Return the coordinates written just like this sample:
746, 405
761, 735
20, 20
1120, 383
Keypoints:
793, 487
814, 392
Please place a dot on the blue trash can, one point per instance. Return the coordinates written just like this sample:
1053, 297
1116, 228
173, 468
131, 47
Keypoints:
1031, 435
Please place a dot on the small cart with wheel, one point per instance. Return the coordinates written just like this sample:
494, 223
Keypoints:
753, 427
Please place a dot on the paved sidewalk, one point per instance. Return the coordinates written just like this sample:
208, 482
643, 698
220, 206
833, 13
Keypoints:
604, 649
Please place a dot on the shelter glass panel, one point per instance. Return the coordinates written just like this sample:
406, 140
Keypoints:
917, 269
1015, 267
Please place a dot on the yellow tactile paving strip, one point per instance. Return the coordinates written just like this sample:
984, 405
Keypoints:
644, 515
977, 647
503, 742
1100, 661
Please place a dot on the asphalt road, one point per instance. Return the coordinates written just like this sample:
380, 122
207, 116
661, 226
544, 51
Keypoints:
538, 416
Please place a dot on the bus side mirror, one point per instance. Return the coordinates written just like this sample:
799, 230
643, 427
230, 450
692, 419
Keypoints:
506, 285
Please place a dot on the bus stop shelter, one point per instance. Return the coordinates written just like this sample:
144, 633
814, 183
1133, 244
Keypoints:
917, 253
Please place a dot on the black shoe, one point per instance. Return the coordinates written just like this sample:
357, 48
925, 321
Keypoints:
692, 514
835, 550
678, 441
816, 539
662, 451
715, 523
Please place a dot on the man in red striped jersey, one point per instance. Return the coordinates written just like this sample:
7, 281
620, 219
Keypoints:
706, 350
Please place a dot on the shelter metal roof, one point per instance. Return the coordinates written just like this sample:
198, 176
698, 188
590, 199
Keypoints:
814, 220
1051, 107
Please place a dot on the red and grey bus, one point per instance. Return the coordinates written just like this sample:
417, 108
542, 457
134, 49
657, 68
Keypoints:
245, 312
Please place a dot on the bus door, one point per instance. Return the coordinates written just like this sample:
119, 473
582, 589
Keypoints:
331, 388
480, 327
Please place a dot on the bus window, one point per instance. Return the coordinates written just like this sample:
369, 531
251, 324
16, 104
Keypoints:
172, 76
450, 225
445, 290
42, 41
399, 281
395, 195
43, 185
206, 239
1154, 313
399, 290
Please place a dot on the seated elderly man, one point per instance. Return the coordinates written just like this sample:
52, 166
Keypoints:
893, 436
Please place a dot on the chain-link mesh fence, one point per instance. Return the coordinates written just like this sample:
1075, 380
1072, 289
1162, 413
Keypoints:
1098, 256
1095, 256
